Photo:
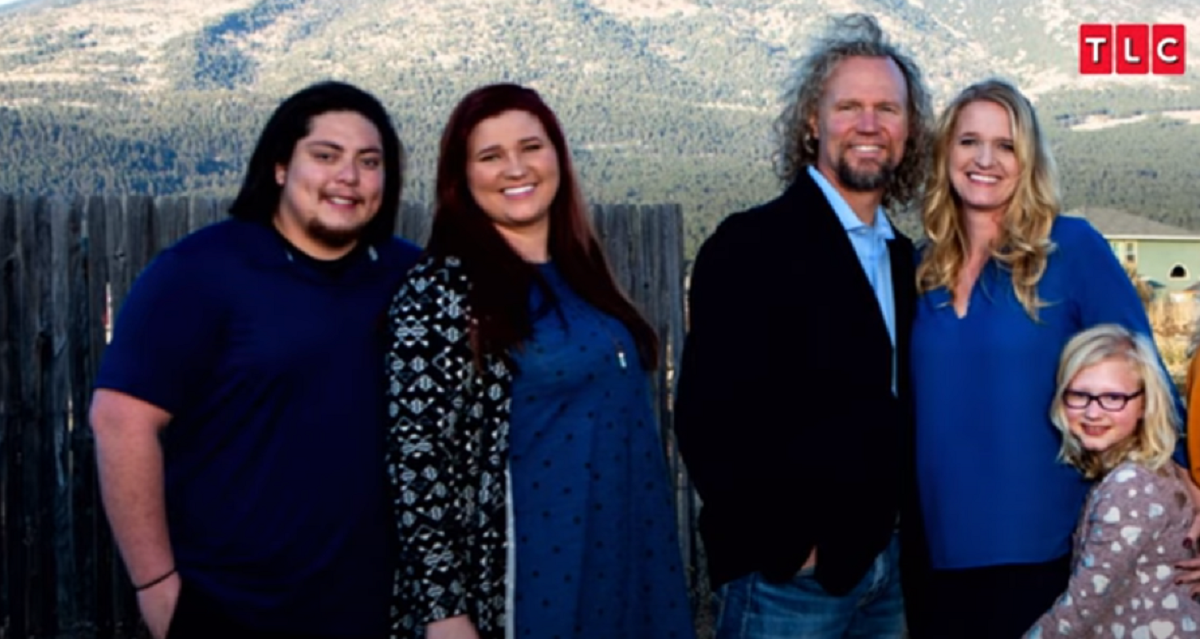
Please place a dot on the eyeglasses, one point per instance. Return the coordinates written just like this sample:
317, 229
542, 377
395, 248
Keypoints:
1111, 402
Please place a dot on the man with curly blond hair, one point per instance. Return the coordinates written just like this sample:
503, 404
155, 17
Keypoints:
793, 401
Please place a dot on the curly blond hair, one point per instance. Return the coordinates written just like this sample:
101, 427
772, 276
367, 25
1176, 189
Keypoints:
853, 35
1024, 244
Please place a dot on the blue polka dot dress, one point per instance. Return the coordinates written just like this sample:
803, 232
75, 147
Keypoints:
596, 549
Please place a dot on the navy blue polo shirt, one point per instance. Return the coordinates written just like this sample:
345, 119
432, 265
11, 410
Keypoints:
271, 366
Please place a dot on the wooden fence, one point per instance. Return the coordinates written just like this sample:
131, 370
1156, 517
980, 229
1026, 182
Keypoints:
61, 261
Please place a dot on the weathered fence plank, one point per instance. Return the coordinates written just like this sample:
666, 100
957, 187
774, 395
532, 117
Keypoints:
10, 382
99, 315
116, 229
36, 525
414, 223
85, 511
56, 427
204, 211
170, 221
612, 225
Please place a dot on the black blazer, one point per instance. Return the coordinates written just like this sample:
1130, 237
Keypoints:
784, 414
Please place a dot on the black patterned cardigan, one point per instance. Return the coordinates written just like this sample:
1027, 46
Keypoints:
447, 453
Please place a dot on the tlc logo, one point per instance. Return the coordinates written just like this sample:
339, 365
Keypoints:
1135, 48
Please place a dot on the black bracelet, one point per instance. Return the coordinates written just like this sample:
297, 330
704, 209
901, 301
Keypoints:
154, 582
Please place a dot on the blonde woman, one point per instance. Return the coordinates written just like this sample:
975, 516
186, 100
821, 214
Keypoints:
1003, 283
1117, 418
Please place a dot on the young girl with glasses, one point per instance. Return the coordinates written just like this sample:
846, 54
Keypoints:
1118, 423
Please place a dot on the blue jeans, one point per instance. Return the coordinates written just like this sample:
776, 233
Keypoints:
752, 608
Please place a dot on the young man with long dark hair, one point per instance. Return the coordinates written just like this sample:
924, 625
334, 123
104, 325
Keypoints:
238, 411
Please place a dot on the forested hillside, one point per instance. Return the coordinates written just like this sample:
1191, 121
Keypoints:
663, 100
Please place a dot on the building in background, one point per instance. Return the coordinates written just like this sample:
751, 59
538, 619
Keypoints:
1165, 257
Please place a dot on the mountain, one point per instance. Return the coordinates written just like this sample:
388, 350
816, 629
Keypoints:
663, 100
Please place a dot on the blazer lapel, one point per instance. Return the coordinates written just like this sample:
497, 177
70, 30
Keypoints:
805, 222
832, 242
904, 286
805, 204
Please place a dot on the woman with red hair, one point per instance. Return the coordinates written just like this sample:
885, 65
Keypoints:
532, 494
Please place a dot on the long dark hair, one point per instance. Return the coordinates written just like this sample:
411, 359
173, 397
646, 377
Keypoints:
502, 280
258, 198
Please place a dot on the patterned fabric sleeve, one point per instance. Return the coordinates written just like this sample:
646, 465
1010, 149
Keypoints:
429, 380
1105, 566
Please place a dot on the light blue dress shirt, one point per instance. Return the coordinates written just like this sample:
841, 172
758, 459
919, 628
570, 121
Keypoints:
870, 244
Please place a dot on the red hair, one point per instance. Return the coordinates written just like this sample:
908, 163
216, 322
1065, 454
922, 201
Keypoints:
501, 279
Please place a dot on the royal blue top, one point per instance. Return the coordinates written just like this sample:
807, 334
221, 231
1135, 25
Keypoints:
268, 363
597, 554
992, 489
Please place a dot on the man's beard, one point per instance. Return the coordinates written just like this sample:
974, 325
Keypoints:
335, 238
865, 180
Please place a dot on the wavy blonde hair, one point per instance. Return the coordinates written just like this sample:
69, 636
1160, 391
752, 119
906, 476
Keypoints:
1024, 244
1153, 443
848, 36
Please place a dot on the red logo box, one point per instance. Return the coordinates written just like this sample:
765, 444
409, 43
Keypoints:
1095, 49
1132, 49
1170, 49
